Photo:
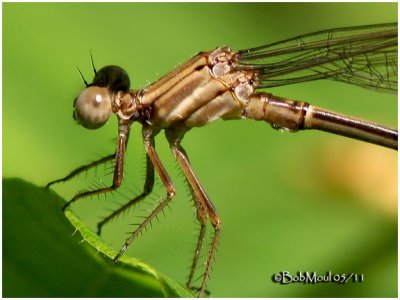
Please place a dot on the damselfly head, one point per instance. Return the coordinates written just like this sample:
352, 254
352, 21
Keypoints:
93, 106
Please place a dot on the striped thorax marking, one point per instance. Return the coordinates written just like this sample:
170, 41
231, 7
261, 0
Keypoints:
199, 92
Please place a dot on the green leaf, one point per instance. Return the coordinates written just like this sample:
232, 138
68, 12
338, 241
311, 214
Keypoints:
45, 256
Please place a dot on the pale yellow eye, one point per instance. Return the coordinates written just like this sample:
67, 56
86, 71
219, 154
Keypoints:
93, 107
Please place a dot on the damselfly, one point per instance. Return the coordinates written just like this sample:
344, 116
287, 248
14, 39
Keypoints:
225, 84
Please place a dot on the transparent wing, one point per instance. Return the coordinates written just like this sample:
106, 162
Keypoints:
365, 56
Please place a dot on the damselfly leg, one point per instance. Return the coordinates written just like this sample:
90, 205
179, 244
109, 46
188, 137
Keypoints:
205, 208
123, 134
147, 189
82, 169
148, 140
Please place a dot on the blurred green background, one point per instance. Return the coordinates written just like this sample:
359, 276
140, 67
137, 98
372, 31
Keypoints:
288, 202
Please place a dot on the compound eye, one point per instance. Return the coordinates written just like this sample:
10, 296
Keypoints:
93, 107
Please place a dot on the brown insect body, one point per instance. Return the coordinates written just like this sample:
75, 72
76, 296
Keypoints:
220, 84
